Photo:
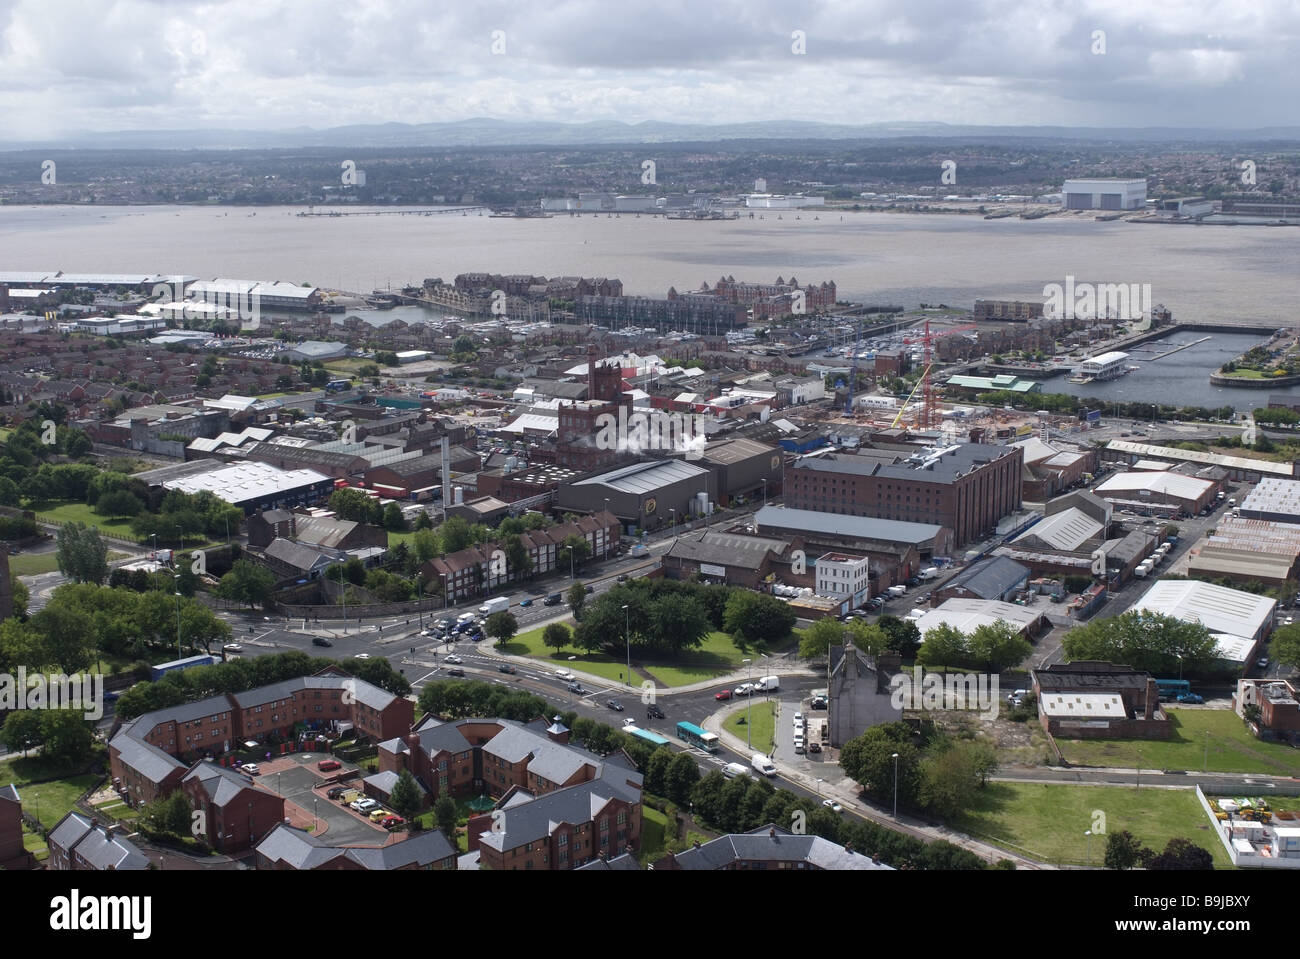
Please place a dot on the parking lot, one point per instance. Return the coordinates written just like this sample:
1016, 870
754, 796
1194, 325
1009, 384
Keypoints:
294, 777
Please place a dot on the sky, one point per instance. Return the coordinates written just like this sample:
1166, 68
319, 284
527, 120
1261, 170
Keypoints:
68, 66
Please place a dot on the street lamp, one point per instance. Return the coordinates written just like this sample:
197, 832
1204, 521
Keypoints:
1138, 784
1206, 766
1089, 835
155, 545
608, 543
749, 707
178, 623
895, 785
764, 490
674, 516
627, 636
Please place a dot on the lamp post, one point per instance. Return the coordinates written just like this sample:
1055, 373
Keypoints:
627, 636
608, 544
674, 517
895, 785
343, 593
178, 623
1089, 835
764, 490
1206, 766
749, 707
155, 545
227, 519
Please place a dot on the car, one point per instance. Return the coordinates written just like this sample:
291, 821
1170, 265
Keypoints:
814, 747
361, 656
454, 659
622, 577
722, 694
654, 712
391, 821
817, 704
526, 602
506, 668
615, 705
336, 792
832, 805
797, 719
576, 688
232, 648
553, 600
914, 581
565, 674
363, 805
251, 769
744, 689
320, 641
456, 671
1262, 662
444, 624
329, 765
1191, 698
379, 815
590, 590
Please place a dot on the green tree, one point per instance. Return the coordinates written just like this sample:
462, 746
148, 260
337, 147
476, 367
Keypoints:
556, 636
1182, 854
393, 519
1123, 851
67, 736
405, 797
247, 582
1286, 645
356, 505
656, 771
903, 635
82, 555
944, 645
501, 626
682, 775
953, 775
868, 760
462, 344
998, 646
757, 619
120, 503
454, 535
168, 816
1152, 642
69, 637
447, 816
677, 622
577, 596
816, 641
573, 552
422, 521
518, 560
22, 596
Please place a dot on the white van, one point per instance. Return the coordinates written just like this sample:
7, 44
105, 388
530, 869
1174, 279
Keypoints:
930, 572
896, 591
1142, 572
767, 684
732, 770
762, 764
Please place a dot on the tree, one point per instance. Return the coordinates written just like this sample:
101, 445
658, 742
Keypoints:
816, 641
518, 560
677, 622
577, 597
1152, 642
1123, 851
1286, 645
868, 760
356, 505
944, 645
573, 552
423, 521
170, 816
82, 555
21, 594
446, 816
67, 735
682, 775
119, 503
868, 637
1182, 854
502, 626
425, 543
454, 535
902, 635
462, 344
998, 646
405, 797
656, 771
556, 636
69, 636
393, 519
757, 619
953, 776
247, 582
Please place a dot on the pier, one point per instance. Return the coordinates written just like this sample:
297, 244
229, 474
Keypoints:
1177, 348
441, 210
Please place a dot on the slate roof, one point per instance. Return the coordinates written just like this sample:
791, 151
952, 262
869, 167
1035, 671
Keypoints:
99, 849
624, 863
296, 555
10, 792
149, 761
221, 785
771, 518
301, 850
989, 578
773, 844
529, 822
726, 549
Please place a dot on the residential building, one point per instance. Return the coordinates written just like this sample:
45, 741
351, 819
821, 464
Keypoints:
770, 847
859, 694
13, 854
234, 812
78, 843
288, 848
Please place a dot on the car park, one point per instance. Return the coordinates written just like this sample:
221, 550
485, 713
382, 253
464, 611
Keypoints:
329, 765
320, 641
506, 668
455, 671
615, 705
722, 694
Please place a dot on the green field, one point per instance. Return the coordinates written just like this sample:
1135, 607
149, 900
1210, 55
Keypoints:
1232, 749
717, 656
32, 564
69, 511
1048, 822
762, 733
48, 801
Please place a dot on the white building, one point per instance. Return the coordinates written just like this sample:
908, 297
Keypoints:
1230, 614
1105, 194
779, 201
840, 575
1107, 366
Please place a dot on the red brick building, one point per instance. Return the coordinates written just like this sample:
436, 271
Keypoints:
235, 812
966, 488
12, 853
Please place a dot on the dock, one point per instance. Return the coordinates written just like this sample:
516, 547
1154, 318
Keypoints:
466, 210
1177, 348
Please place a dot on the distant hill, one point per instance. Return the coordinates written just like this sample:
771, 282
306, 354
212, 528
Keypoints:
483, 132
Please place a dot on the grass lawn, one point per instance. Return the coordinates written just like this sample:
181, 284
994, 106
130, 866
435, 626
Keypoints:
1048, 822
654, 827
33, 842
69, 511
48, 801
30, 564
1232, 748
762, 733
117, 809
717, 656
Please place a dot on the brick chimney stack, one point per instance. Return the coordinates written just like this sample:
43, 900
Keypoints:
1152, 698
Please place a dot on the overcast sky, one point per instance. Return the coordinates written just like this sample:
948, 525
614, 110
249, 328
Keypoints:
99, 65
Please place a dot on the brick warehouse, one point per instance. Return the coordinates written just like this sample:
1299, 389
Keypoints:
966, 488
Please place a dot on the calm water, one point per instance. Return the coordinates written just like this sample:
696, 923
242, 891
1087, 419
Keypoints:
1203, 274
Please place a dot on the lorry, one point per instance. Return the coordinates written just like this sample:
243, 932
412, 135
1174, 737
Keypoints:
762, 765
497, 604
766, 684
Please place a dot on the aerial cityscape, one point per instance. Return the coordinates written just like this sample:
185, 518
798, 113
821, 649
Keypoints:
594, 454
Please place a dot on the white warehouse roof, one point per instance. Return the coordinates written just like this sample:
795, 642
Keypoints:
246, 481
965, 615
1231, 612
1168, 484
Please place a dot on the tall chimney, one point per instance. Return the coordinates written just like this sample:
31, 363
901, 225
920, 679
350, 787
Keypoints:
446, 475
591, 371
1152, 698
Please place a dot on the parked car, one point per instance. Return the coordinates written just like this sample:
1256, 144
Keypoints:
622, 577
251, 769
454, 659
797, 719
379, 815
1262, 662
1191, 698
329, 765
391, 821
814, 747
506, 668
615, 705
722, 694
336, 792
232, 648
654, 712
455, 671
364, 805
320, 641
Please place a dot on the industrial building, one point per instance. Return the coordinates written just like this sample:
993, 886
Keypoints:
644, 495
1095, 700
995, 578
1248, 550
854, 533
1160, 493
731, 558
968, 615
1105, 194
1238, 468
966, 487
1273, 499
743, 468
254, 486
1238, 620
